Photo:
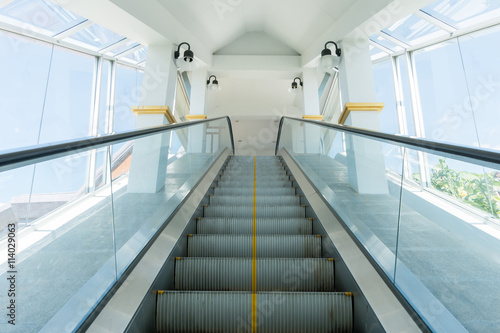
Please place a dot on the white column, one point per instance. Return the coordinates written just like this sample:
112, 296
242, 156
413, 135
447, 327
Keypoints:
355, 73
150, 155
365, 157
197, 107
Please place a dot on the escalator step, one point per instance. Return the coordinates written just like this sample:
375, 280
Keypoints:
250, 183
261, 200
273, 274
244, 226
261, 211
267, 246
183, 311
249, 191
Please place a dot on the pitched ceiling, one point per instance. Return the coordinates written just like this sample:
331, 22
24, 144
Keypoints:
293, 22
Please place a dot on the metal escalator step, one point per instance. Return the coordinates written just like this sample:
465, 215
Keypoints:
273, 274
267, 246
250, 178
244, 226
184, 311
263, 183
261, 200
262, 211
249, 191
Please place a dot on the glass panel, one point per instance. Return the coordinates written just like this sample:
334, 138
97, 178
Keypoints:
69, 244
127, 90
440, 246
480, 54
15, 187
24, 73
376, 53
68, 251
40, 16
461, 14
138, 55
355, 182
449, 255
95, 37
385, 43
412, 30
69, 96
148, 191
389, 123
446, 106
122, 48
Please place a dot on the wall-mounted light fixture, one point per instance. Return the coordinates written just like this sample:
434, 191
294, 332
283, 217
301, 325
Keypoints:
295, 86
329, 61
214, 85
187, 58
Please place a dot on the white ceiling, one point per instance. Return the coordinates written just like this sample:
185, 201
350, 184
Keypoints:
220, 22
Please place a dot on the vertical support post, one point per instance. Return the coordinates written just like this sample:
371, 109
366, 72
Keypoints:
150, 154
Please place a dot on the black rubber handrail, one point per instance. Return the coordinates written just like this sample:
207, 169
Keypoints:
24, 156
473, 153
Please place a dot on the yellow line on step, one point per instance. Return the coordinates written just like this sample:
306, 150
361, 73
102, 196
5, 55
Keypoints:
254, 249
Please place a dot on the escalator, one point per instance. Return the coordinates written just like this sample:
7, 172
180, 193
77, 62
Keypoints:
325, 236
254, 263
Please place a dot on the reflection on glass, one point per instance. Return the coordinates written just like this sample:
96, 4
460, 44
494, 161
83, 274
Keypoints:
413, 30
41, 16
461, 14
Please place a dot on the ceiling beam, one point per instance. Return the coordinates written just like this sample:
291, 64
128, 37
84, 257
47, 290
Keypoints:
145, 21
360, 21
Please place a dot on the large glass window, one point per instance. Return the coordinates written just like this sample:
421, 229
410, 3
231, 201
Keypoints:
127, 94
481, 59
446, 106
69, 96
25, 68
384, 87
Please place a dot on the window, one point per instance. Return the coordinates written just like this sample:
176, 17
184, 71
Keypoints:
413, 30
127, 93
23, 82
384, 87
68, 102
481, 60
446, 106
